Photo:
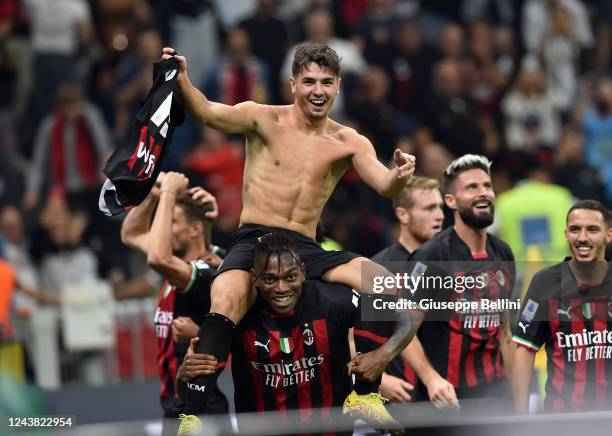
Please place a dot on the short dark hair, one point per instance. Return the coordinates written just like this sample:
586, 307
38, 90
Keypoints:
462, 164
195, 211
321, 54
276, 243
591, 205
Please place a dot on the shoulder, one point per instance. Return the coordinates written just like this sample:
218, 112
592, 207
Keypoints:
501, 247
330, 296
547, 282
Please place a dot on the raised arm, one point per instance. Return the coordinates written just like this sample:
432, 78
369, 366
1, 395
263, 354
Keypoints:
136, 225
387, 182
159, 255
239, 118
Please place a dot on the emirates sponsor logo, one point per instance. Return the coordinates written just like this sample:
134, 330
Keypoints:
289, 374
586, 345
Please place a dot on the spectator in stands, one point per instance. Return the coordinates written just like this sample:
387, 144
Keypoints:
239, 75
572, 171
72, 144
411, 68
269, 41
135, 78
531, 112
60, 31
597, 125
450, 115
373, 34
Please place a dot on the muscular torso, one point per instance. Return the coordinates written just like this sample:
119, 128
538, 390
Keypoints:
289, 173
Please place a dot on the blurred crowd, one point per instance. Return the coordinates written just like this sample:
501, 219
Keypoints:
525, 82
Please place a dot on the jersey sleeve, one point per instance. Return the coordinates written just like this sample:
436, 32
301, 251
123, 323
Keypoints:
531, 327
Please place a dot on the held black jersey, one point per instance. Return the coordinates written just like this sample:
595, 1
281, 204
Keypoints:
396, 258
135, 164
463, 346
575, 324
297, 361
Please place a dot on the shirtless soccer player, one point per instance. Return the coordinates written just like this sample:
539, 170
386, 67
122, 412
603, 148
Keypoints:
295, 156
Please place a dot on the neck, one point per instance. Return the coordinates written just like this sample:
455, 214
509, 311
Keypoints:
196, 251
475, 239
407, 240
592, 272
308, 124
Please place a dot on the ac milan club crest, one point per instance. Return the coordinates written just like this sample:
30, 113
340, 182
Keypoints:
308, 336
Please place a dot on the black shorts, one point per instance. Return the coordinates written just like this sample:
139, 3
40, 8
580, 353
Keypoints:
317, 260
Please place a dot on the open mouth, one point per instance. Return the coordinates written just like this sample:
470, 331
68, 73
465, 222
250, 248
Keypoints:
482, 204
282, 300
584, 250
317, 102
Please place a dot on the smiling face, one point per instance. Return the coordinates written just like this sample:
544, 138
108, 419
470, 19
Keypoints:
315, 89
279, 281
471, 196
586, 235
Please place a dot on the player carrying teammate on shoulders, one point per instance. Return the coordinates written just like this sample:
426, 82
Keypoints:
290, 350
295, 156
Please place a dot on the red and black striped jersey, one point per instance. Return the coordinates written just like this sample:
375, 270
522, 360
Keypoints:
297, 361
193, 302
575, 324
396, 258
463, 346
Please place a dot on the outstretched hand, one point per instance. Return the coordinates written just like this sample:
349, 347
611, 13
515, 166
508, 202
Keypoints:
405, 163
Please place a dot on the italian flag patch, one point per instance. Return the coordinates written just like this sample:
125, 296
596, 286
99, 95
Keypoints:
286, 345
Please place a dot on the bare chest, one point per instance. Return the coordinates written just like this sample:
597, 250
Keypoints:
315, 155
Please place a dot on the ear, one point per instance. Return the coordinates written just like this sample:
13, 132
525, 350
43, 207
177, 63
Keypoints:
197, 229
292, 84
402, 215
450, 201
609, 235
339, 83
303, 265
253, 275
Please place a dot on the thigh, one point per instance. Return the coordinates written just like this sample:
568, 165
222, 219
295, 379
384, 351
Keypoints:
231, 294
360, 274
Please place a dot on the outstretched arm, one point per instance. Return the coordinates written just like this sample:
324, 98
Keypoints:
227, 119
387, 182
